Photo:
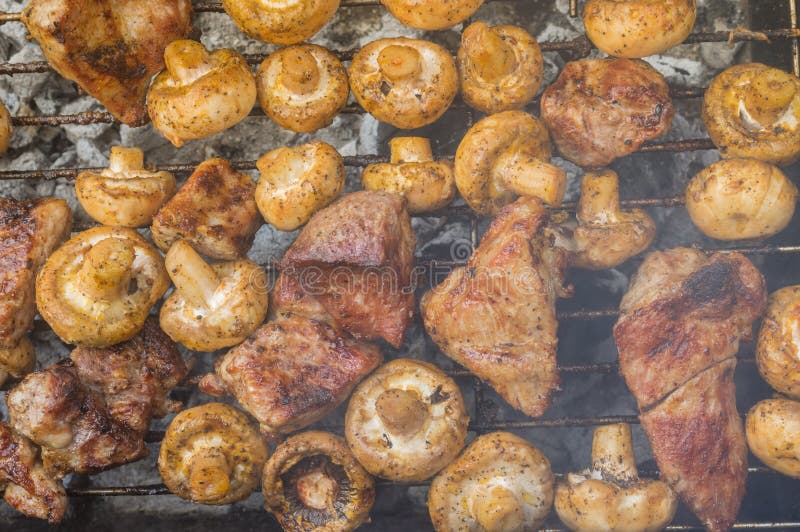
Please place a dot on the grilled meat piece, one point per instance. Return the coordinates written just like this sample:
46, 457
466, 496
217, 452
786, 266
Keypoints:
110, 48
352, 266
292, 372
497, 315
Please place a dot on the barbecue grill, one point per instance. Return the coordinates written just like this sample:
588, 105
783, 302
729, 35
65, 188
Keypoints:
593, 391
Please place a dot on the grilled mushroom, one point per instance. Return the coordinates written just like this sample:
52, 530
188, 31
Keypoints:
428, 185
97, 289
303, 87
297, 182
17, 361
313, 482
773, 429
610, 496
407, 83
213, 306
6, 129
753, 110
200, 93
212, 454
736, 199
432, 14
638, 28
406, 421
281, 21
500, 483
500, 67
506, 155
778, 351
125, 193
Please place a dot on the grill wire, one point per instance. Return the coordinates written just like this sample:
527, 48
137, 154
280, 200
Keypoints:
577, 48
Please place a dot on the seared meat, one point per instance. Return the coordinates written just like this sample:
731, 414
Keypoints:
111, 48
497, 315
292, 372
352, 267
678, 333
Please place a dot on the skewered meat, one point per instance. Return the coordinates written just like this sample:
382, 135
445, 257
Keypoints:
497, 315
352, 266
678, 333
111, 48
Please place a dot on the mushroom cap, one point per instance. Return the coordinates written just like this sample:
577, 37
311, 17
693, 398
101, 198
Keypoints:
18, 360
778, 350
80, 319
638, 28
733, 129
200, 93
513, 90
303, 112
406, 102
280, 21
772, 428
313, 482
298, 181
124, 194
509, 131
425, 443
432, 14
736, 199
6, 129
215, 435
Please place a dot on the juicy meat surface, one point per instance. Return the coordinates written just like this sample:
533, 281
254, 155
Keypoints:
29, 231
497, 315
110, 48
352, 266
292, 372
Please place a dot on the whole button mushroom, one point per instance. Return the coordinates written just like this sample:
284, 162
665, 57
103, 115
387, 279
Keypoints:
773, 432
213, 306
610, 496
408, 83
432, 14
125, 193
98, 288
506, 155
303, 87
406, 421
297, 182
501, 483
313, 482
200, 93
779, 342
428, 185
280, 21
736, 199
212, 454
6, 129
500, 67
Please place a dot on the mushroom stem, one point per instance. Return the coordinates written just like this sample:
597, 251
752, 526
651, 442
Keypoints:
193, 277
612, 452
492, 57
769, 96
18, 360
398, 62
299, 71
528, 176
317, 490
498, 510
410, 150
401, 411
124, 160
106, 270
209, 475
187, 60
599, 200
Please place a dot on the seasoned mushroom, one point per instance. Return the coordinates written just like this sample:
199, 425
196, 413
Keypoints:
313, 482
753, 110
428, 185
638, 28
773, 429
6, 129
407, 83
200, 93
432, 14
303, 87
778, 351
406, 421
212, 454
125, 193
17, 361
500, 67
97, 289
506, 155
280, 21
213, 306
610, 496
297, 182
736, 199
500, 483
